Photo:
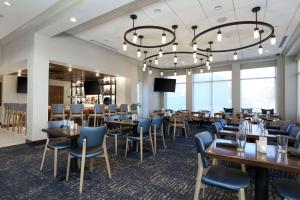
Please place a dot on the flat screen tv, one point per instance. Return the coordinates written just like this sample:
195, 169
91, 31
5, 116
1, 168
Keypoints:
164, 85
91, 87
22, 85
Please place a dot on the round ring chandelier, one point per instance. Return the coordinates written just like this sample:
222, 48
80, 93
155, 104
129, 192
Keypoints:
257, 34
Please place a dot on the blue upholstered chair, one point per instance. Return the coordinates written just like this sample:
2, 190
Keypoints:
115, 131
91, 144
112, 109
265, 111
246, 110
123, 109
217, 128
54, 143
223, 122
227, 178
143, 134
158, 130
76, 111
57, 111
98, 114
287, 189
134, 110
284, 128
228, 111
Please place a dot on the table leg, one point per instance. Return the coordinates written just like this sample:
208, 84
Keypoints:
261, 183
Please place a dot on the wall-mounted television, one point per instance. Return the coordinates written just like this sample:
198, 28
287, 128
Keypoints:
91, 87
164, 85
22, 84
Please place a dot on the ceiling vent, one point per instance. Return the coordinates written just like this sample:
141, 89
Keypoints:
103, 45
282, 41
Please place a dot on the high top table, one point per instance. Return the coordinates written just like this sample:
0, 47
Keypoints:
261, 162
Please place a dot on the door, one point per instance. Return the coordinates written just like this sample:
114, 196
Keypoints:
56, 94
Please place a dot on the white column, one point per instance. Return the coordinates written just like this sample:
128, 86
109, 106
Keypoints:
37, 98
280, 82
236, 89
189, 92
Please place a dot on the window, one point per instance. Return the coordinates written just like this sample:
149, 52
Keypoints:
258, 88
177, 100
212, 91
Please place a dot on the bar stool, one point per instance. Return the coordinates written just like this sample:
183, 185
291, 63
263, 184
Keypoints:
22, 123
9, 115
112, 109
5, 105
57, 111
76, 111
14, 115
98, 113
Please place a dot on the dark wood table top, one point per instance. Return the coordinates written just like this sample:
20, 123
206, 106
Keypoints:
122, 123
255, 134
271, 160
63, 132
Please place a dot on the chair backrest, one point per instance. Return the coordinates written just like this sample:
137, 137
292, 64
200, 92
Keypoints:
158, 121
112, 108
228, 111
146, 124
203, 140
297, 143
94, 136
56, 124
123, 107
133, 107
99, 108
223, 122
126, 116
246, 110
285, 126
217, 127
76, 108
293, 131
58, 108
112, 118
264, 111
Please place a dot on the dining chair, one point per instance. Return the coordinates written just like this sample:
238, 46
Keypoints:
57, 111
76, 111
228, 111
287, 189
283, 128
112, 109
265, 111
123, 109
158, 130
223, 177
98, 114
114, 131
54, 143
134, 110
246, 110
91, 144
177, 121
217, 127
143, 134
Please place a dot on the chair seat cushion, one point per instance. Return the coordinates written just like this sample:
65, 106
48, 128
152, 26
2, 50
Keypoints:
228, 178
287, 189
59, 145
90, 153
137, 137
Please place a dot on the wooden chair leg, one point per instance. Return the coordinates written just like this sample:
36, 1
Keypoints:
107, 163
81, 174
116, 144
243, 167
91, 165
168, 130
141, 150
68, 167
55, 162
241, 194
154, 141
151, 143
185, 133
198, 184
126, 148
137, 147
174, 133
44, 155
163, 139
95, 121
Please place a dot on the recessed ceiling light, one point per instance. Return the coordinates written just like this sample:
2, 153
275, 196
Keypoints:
7, 3
157, 11
219, 7
73, 19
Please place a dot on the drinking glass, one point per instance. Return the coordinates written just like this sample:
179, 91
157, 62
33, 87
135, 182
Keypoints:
282, 143
241, 137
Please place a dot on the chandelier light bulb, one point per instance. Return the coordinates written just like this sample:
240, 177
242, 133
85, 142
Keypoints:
175, 73
260, 49
208, 67
189, 72
138, 53
174, 47
124, 46
219, 36
163, 38
70, 69
156, 61
235, 57
134, 38
195, 46
211, 58
145, 65
160, 53
150, 71
97, 74
195, 54
273, 40
256, 33
207, 63
175, 59
144, 69
195, 60
161, 73
201, 70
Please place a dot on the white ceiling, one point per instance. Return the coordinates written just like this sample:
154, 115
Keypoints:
21, 12
283, 15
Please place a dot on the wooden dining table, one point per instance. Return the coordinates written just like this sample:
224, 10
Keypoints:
261, 162
254, 134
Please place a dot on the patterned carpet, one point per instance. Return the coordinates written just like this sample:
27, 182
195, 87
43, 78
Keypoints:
168, 175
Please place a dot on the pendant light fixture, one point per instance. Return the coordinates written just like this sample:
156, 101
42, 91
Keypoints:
174, 46
195, 54
161, 73
210, 49
163, 38
160, 53
194, 43
195, 60
175, 58
175, 72
156, 61
219, 36
150, 71
145, 64
150, 64
201, 70
124, 46
235, 57
273, 40
256, 30
189, 72
260, 48
138, 53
